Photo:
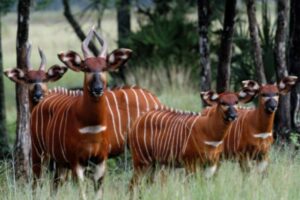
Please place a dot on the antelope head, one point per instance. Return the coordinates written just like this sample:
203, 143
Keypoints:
269, 93
94, 67
227, 102
36, 80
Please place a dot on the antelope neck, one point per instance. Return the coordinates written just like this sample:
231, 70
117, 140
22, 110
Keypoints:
91, 110
264, 121
217, 125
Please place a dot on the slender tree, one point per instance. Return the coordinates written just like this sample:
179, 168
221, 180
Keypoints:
203, 23
123, 19
22, 144
294, 62
257, 51
283, 119
223, 71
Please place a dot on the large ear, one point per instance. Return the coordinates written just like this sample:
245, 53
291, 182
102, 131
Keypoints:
72, 60
56, 72
286, 84
209, 97
117, 58
16, 75
249, 90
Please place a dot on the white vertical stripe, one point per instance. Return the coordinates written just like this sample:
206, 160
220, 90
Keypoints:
191, 130
157, 133
137, 103
167, 133
118, 113
136, 133
128, 110
145, 134
113, 119
59, 108
146, 100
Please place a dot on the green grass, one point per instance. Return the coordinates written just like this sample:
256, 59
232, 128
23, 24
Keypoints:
281, 182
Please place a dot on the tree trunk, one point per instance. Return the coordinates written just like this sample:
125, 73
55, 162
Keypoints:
223, 74
123, 19
203, 23
283, 119
22, 144
257, 51
76, 27
294, 62
4, 147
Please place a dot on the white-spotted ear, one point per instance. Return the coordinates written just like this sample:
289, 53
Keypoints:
16, 75
209, 97
281, 85
249, 90
72, 60
246, 95
286, 84
250, 85
117, 58
56, 72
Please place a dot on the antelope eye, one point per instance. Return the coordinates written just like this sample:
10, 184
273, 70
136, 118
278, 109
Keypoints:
223, 103
264, 95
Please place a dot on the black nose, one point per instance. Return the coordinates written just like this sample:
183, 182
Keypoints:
271, 105
98, 90
38, 93
96, 86
231, 114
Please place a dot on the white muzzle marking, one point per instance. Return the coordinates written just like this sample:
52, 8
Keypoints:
213, 143
263, 135
92, 129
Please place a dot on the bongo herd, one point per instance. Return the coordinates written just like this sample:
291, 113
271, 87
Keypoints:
74, 128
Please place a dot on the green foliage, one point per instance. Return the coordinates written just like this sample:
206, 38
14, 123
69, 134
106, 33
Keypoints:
167, 37
242, 61
5, 5
295, 139
267, 37
42, 4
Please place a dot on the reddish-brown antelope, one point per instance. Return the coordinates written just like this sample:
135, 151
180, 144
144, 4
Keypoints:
250, 137
174, 138
72, 127
36, 80
125, 105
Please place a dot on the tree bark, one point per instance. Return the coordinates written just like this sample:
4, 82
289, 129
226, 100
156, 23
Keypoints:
294, 62
123, 19
4, 147
283, 119
257, 51
223, 72
203, 23
22, 143
76, 27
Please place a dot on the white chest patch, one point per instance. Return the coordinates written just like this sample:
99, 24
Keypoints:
213, 143
92, 129
263, 135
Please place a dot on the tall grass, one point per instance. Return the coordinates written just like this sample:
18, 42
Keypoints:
281, 182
